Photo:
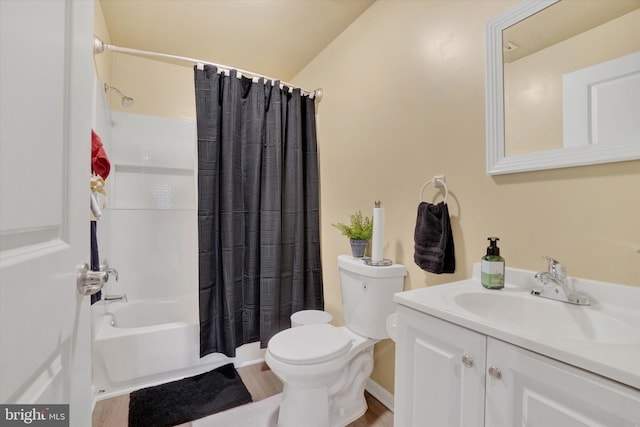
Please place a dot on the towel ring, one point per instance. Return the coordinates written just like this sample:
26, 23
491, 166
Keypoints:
437, 183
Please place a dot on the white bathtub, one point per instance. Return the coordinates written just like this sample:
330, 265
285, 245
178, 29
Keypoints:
145, 342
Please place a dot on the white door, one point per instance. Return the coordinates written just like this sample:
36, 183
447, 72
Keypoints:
601, 103
439, 373
45, 134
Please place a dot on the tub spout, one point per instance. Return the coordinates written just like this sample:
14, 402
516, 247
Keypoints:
115, 298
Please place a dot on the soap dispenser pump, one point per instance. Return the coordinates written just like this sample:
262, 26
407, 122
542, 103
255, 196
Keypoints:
492, 266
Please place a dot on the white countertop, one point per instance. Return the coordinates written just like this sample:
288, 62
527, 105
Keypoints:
615, 356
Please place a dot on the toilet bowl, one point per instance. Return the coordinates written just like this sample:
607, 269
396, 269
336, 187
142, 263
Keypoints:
324, 368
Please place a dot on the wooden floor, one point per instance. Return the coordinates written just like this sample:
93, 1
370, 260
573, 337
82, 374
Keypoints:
260, 382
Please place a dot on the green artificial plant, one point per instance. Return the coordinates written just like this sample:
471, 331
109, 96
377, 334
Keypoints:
359, 229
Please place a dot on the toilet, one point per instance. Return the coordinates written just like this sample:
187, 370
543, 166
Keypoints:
323, 367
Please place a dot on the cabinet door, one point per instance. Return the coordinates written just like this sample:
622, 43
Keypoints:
439, 373
534, 390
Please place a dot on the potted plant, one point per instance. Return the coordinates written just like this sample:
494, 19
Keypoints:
358, 231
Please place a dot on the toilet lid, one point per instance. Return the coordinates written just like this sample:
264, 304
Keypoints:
309, 344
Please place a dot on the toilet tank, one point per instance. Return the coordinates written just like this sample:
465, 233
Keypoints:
367, 295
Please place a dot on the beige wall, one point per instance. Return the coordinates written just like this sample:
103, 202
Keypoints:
102, 62
159, 88
404, 101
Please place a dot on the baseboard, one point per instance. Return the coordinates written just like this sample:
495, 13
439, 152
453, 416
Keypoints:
380, 393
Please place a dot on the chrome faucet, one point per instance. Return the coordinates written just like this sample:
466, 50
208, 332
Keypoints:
104, 267
556, 285
115, 298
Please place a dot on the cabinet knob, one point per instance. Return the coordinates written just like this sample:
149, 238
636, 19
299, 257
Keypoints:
495, 373
467, 361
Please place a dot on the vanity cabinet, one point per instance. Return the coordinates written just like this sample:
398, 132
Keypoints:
448, 375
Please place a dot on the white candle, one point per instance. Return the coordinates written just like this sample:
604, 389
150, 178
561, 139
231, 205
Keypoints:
377, 239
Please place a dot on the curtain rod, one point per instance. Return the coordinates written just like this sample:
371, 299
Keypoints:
99, 46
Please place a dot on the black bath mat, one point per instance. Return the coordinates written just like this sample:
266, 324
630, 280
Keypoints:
188, 399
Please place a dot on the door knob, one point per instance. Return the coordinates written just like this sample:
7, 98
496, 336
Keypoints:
90, 282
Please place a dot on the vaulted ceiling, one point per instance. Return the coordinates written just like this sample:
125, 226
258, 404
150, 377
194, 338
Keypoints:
275, 38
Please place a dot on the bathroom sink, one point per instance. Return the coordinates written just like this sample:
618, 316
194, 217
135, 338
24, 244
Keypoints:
551, 319
603, 337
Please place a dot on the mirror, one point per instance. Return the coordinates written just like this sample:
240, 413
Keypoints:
563, 84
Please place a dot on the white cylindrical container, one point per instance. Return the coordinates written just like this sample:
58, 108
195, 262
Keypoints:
377, 238
310, 317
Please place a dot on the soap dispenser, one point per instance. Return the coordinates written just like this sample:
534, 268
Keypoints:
492, 276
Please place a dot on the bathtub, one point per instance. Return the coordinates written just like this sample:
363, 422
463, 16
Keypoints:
141, 343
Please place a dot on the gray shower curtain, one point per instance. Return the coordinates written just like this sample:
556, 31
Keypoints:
258, 209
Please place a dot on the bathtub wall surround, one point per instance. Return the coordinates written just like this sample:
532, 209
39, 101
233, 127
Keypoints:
101, 124
149, 232
152, 207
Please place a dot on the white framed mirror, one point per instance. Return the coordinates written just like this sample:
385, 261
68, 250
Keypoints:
562, 85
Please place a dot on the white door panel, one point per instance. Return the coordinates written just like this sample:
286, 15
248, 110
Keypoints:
45, 113
601, 103
615, 108
32, 73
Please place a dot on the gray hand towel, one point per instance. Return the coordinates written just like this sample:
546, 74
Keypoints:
434, 250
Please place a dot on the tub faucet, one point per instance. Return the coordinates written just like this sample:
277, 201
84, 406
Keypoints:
109, 270
115, 298
556, 285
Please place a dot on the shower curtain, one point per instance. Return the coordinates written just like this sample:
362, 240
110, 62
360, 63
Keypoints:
258, 209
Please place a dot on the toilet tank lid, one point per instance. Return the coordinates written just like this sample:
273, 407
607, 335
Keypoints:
357, 265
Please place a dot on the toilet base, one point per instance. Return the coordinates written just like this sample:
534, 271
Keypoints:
295, 407
349, 413
335, 403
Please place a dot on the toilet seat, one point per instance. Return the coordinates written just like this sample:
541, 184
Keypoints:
309, 344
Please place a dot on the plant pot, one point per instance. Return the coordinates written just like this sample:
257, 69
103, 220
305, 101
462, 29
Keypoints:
358, 247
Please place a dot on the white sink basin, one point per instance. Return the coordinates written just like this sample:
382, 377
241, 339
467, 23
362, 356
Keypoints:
548, 318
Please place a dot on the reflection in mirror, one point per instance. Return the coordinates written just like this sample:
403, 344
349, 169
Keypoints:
571, 89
